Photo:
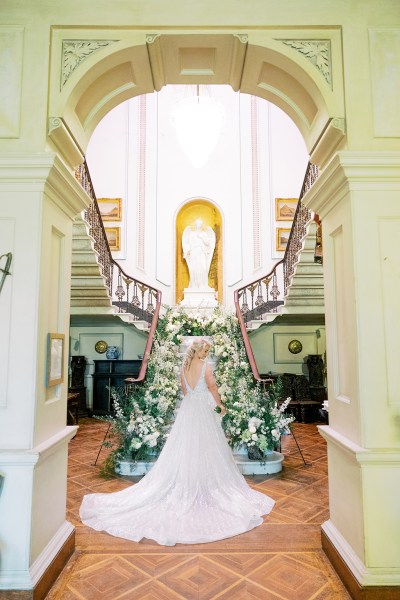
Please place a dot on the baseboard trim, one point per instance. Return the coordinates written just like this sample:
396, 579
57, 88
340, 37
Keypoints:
356, 591
54, 569
48, 577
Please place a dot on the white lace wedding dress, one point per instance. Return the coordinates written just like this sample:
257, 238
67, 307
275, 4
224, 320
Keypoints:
193, 494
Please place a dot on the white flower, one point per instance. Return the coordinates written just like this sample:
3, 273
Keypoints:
252, 429
254, 437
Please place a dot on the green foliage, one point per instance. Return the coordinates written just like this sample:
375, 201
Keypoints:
142, 417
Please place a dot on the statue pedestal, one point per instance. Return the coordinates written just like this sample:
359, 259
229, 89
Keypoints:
199, 298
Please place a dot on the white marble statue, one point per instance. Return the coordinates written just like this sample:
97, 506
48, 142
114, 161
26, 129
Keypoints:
198, 244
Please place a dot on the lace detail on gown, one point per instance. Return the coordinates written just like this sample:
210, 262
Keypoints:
193, 494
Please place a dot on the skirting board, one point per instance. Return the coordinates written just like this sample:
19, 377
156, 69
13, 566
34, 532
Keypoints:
356, 591
48, 576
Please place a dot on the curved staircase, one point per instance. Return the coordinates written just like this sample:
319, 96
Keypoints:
89, 291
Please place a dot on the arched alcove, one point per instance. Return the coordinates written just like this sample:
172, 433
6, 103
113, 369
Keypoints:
211, 216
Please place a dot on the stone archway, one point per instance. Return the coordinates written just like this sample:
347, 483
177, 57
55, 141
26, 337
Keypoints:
91, 75
272, 65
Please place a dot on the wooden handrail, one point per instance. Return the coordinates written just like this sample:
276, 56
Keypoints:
247, 345
149, 344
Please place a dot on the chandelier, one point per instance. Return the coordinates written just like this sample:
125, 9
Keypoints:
198, 120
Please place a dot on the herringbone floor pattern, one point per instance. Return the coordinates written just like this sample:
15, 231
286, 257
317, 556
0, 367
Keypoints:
281, 559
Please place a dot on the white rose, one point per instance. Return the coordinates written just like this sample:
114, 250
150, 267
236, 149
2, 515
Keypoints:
252, 429
254, 437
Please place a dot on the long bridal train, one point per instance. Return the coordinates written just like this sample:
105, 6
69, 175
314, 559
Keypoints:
193, 494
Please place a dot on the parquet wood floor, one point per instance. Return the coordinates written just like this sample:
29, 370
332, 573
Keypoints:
281, 559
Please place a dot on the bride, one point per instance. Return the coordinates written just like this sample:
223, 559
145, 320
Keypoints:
195, 492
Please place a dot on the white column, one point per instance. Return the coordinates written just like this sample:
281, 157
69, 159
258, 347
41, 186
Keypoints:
357, 198
39, 198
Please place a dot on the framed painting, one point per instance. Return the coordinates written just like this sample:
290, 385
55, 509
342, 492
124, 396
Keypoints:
110, 208
282, 238
113, 237
285, 208
55, 359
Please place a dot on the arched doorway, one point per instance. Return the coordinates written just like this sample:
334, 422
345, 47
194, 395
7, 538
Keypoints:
266, 68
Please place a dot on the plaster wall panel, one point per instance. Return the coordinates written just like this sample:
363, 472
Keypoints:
22, 210
7, 245
54, 292
11, 56
340, 318
16, 504
270, 347
380, 479
346, 509
384, 45
376, 234
48, 498
389, 235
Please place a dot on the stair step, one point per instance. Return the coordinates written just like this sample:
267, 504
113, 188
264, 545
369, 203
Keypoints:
90, 290
306, 283
80, 257
90, 301
80, 308
309, 268
85, 270
82, 243
79, 228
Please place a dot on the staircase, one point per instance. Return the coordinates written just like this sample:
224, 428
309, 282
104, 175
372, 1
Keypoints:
89, 292
305, 292
99, 286
293, 287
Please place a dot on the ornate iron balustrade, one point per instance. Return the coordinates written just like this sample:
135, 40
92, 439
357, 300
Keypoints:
266, 294
128, 294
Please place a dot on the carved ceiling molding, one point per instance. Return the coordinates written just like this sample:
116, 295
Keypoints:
74, 52
318, 52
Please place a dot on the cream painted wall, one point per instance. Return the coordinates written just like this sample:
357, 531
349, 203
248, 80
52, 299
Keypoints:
236, 180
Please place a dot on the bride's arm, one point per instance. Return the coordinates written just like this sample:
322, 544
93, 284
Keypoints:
212, 386
184, 390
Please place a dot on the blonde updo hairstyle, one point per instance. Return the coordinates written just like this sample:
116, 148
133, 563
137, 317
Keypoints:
191, 351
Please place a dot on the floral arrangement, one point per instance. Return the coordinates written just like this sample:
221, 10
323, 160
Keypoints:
142, 417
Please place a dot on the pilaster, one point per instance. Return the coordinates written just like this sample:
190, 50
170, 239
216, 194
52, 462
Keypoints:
357, 198
39, 198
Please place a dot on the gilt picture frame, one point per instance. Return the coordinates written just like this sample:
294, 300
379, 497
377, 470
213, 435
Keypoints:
282, 238
110, 208
285, 208
55, 359
113, 238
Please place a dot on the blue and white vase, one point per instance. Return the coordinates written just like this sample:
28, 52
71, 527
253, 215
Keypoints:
112, 352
